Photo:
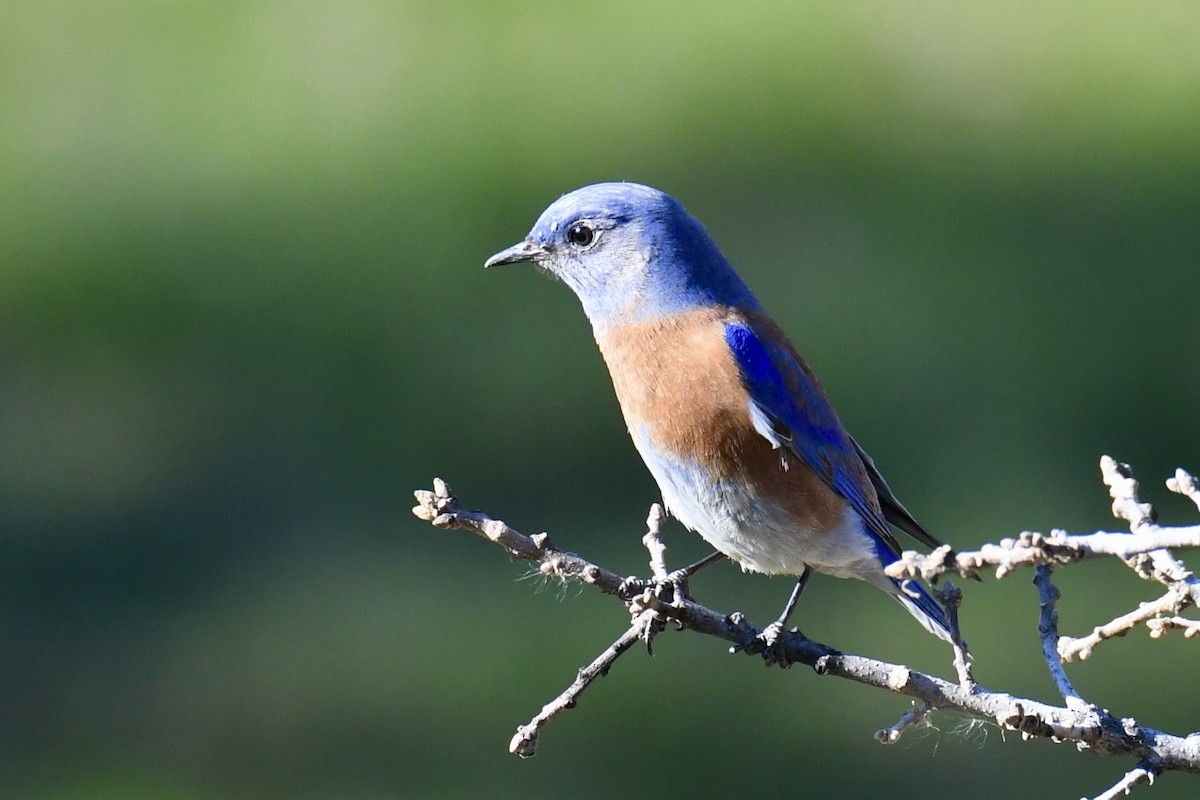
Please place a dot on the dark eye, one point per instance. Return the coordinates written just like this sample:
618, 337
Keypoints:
581, 234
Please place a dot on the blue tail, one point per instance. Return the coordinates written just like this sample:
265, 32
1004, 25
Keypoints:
920, 603
915, 597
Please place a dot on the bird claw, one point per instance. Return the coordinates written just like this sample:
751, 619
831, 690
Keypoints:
653, 594
670, 589
771, 642
631, 587
677, 584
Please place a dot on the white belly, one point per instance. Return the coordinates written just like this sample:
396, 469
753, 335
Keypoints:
755, 531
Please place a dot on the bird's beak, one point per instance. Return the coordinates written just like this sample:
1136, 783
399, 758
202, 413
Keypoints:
525, 251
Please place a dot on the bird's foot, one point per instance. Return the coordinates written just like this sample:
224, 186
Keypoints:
771, 642
657, 596
660, 595
670, 589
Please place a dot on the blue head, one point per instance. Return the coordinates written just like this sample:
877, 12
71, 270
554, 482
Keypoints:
629, 252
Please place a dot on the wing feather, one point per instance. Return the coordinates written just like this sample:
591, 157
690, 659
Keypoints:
790, 410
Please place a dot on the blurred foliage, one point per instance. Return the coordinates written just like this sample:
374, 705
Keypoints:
242, 315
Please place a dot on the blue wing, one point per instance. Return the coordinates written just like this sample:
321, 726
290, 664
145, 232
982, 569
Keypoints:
893, 510
790, 409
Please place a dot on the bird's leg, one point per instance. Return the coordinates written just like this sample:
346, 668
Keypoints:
669, 588
677, 581
680, 577
771, 641
673, 586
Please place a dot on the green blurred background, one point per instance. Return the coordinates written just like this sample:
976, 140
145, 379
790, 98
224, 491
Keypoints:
243, 316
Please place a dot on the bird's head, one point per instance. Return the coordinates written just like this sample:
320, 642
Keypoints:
629, 252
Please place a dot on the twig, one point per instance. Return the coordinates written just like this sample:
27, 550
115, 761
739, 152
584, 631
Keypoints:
1123, 489
951, 597
1144, 547
640, 608
908, 719
1048, 596
525, 741
440, 508
1031, 548
1142, 773
1183, 588
1186, 484
1171, 602
1161, 625
653, 541
1157, 564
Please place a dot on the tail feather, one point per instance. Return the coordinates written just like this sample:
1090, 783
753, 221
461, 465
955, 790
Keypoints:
921, 604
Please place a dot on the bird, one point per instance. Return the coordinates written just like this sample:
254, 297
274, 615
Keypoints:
729, 419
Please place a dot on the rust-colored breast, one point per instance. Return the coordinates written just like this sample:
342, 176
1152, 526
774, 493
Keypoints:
677, 381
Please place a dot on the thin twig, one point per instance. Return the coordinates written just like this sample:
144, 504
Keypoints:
1183, 588
440, 508
1143, 548
1161, 625
1159, 564
1142, 773
653, 541
525, 741
1123, 489
651, 622
1170, 603
1048, 596
951, 597
1031, 548
909, 718
1186, 484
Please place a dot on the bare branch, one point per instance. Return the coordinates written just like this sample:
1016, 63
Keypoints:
1123, 489
1174, 601
525, 741
1031, 549
1142, 773
1158, 565
951, 597
1183, 588
908, 719
653, 541
441, 509
1186, 484
1088, 727
1051, 646
1161, 625
1144, 549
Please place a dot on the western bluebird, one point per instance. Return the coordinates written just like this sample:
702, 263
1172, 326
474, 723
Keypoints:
730, 420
